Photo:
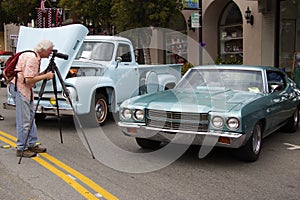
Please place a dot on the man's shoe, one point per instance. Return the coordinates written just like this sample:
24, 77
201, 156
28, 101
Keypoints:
26, 153
37, 149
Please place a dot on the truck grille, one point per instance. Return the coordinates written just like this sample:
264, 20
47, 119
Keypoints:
197, 122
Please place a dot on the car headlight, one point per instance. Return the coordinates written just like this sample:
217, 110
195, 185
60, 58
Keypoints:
233, 123
139, 115
217, 122
126, 113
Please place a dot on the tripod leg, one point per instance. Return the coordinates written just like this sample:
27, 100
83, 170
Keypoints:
57, 108
32, 120
75, 114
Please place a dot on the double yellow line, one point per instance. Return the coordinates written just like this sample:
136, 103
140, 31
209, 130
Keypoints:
70, 176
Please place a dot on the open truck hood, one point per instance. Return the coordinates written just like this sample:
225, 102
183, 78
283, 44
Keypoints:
66, 39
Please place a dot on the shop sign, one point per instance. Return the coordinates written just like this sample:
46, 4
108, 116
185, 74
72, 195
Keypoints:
195, 19
13, 37
190, 4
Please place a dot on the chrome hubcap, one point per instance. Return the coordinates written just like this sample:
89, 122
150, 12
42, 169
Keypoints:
101, 110
256, 139
296, 116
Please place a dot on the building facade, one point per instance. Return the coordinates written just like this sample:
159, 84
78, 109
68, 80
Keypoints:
249, 32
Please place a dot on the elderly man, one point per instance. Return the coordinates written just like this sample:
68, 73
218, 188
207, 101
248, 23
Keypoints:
29, 67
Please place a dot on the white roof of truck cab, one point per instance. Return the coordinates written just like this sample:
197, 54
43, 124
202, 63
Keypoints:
106, 38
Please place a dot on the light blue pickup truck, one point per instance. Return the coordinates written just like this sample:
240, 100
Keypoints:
102, 75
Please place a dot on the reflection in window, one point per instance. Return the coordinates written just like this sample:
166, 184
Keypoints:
124, 52
225, 79
101, 51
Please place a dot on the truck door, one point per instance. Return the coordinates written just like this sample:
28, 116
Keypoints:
126, 74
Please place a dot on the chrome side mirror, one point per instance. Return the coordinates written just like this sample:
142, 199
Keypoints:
119, 60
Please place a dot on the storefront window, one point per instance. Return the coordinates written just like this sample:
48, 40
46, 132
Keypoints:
231, 36
289, 34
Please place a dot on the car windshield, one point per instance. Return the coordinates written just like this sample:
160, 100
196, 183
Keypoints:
233, 79
101, 51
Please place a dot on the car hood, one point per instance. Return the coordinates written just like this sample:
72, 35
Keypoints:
194, 101
66, 39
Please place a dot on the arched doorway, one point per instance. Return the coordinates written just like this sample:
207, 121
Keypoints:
231, 35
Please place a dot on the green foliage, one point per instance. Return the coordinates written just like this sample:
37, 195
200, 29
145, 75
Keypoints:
230, 60
185, 67
97, 12
20, 12
141, 13
122, 14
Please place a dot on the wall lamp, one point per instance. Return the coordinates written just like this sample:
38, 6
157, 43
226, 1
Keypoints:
249, 18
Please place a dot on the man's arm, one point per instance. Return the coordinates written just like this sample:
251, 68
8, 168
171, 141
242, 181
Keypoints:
33, 80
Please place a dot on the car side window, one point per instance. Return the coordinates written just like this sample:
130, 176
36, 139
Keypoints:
276, 81
124, 52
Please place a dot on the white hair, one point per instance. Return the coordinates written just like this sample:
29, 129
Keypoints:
43, 45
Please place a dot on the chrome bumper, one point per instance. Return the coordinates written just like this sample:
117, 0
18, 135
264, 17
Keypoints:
140, 130
43, 109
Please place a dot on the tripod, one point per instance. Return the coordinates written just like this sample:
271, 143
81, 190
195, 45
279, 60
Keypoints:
52, 67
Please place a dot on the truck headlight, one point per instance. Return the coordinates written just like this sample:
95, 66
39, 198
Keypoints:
233, 123
72, 93
126, 113
217, 122
139, 115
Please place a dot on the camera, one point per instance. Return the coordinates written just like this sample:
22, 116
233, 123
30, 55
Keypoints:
59, 55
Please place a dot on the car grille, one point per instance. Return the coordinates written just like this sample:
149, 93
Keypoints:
197, 122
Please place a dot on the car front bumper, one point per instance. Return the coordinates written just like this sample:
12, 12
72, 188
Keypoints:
233, 140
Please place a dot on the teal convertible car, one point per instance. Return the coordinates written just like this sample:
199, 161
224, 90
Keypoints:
234, 105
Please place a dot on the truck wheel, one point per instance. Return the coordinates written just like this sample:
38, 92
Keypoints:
147, 144
101, 109
39, 117
250, 152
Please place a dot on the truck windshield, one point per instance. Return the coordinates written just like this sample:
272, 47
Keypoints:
101, 51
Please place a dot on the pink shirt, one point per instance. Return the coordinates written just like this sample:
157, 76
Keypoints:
29, 65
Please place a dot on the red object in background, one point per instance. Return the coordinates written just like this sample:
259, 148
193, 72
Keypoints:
6, 53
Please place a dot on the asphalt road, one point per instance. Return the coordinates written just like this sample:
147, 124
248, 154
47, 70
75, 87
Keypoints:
75, 174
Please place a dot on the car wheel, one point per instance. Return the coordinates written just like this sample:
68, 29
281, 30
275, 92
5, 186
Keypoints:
292, 123
101, 109
147, 144
251, 151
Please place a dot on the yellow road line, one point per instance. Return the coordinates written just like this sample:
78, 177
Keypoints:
81, 177
66, 178
13, 144
8, 136
59, 173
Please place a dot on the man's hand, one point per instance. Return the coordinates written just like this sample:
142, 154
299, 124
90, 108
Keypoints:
49, 75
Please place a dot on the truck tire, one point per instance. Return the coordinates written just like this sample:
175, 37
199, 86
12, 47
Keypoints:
39, 117
101, 109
